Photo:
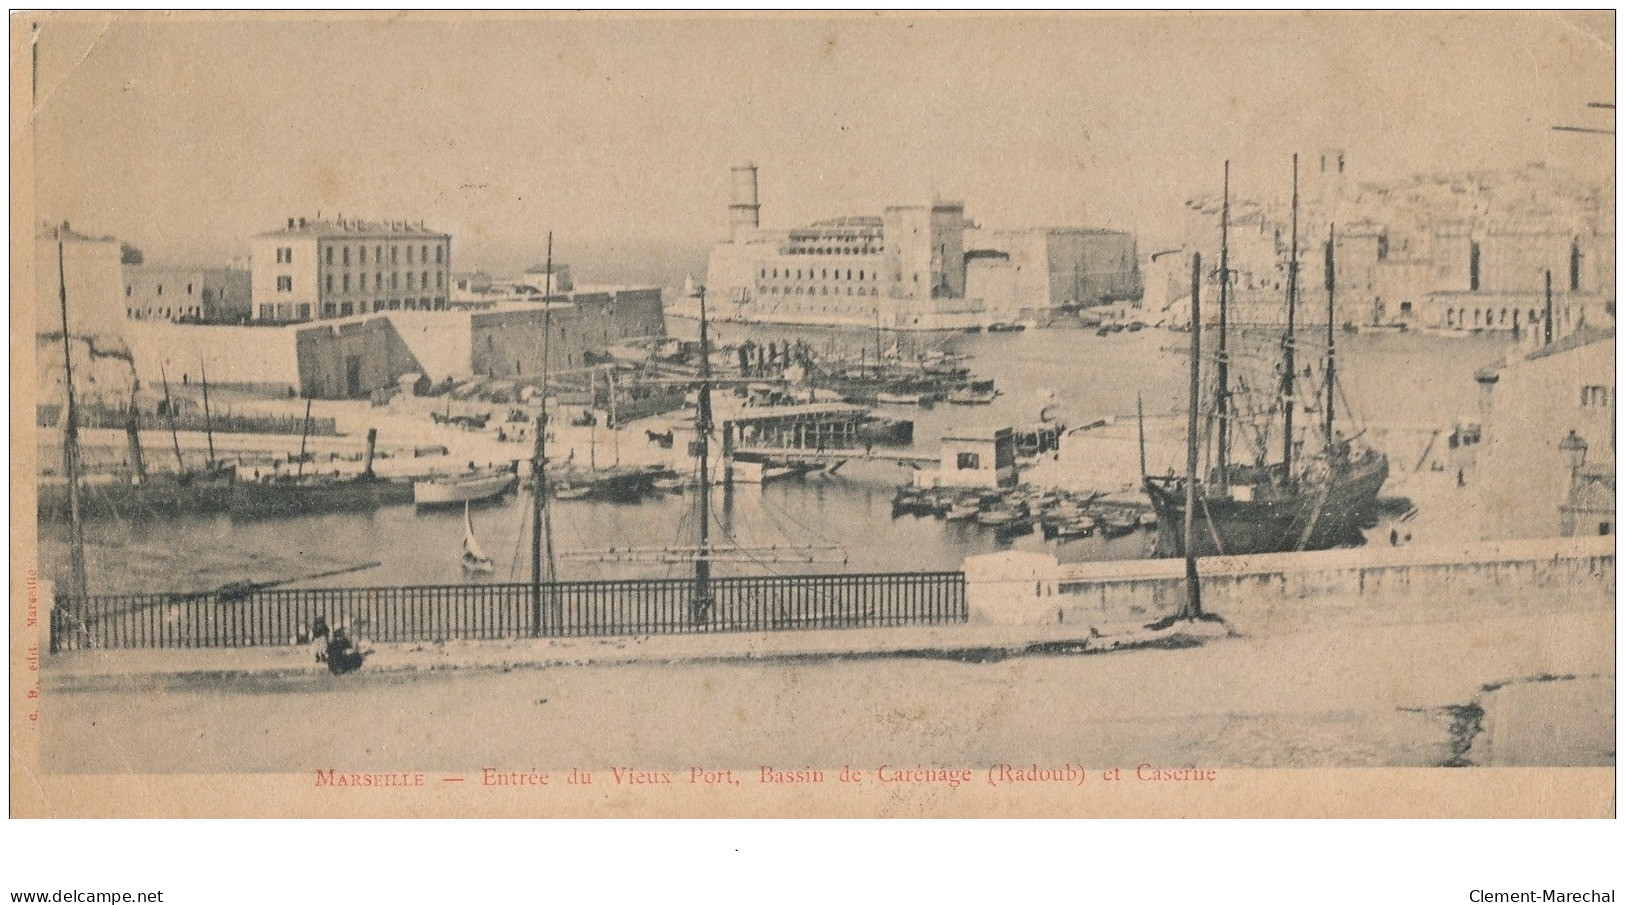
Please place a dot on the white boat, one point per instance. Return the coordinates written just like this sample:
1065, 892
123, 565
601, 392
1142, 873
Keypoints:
969, 396
963, 510
898, 398
670, 484
474, 558
467, 487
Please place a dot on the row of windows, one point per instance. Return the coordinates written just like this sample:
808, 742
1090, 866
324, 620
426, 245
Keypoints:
834, 250
171, 313
815, 290
394, 282
378, 254
301, 311
1595, 396
822, 274
1485, 317
128, 290
284, 255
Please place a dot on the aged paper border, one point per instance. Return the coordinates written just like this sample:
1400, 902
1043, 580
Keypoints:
1401, 793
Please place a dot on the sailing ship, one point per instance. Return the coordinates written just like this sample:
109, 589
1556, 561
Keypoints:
138, 493
475, 560
1272, 505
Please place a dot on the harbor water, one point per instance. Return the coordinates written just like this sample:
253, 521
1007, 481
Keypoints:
842, 521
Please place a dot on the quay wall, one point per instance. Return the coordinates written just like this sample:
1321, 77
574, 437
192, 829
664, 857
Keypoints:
1019, 588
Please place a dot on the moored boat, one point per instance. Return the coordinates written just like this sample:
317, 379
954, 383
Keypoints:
473, 486
972, 395
1117, 524
1301, 499
899, 398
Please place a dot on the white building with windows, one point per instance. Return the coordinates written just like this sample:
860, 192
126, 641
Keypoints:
1548, 451
319, 269
186, 294
92, 273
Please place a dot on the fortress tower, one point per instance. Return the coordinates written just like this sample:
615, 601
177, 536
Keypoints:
744, 213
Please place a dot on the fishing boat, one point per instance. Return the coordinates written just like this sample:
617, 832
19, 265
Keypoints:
1117, 524
1082, 526
963, 510
1285, 499
473, 486
572, 491
1003, 515
1021, 524
899, 398
909, 501
475, 561
620, 483
670, 483
979, 392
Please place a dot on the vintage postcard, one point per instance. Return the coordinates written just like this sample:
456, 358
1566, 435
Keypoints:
751, 414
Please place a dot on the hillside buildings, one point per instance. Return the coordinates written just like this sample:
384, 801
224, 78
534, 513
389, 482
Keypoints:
913, 267
320, 269
1456, 251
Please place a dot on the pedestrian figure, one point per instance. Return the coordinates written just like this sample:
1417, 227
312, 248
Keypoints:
342, 653
1393, 538
1461, 477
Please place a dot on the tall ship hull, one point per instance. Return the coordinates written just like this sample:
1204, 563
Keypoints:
1319, 513
257, 499
159, 495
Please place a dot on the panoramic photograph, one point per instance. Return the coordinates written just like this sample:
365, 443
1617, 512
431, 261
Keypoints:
770, 414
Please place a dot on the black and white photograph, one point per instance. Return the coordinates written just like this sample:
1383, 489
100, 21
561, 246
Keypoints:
1137, 414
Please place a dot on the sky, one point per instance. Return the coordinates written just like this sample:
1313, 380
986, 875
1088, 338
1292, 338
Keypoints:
185, 135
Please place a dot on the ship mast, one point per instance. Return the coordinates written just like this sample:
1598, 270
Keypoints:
1193, 586
1139, 410
541, 524
175, 437
208, 423
701, 604
70, 443
304, 433
1222, 391
132, 430
1331, 334
1289, 365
